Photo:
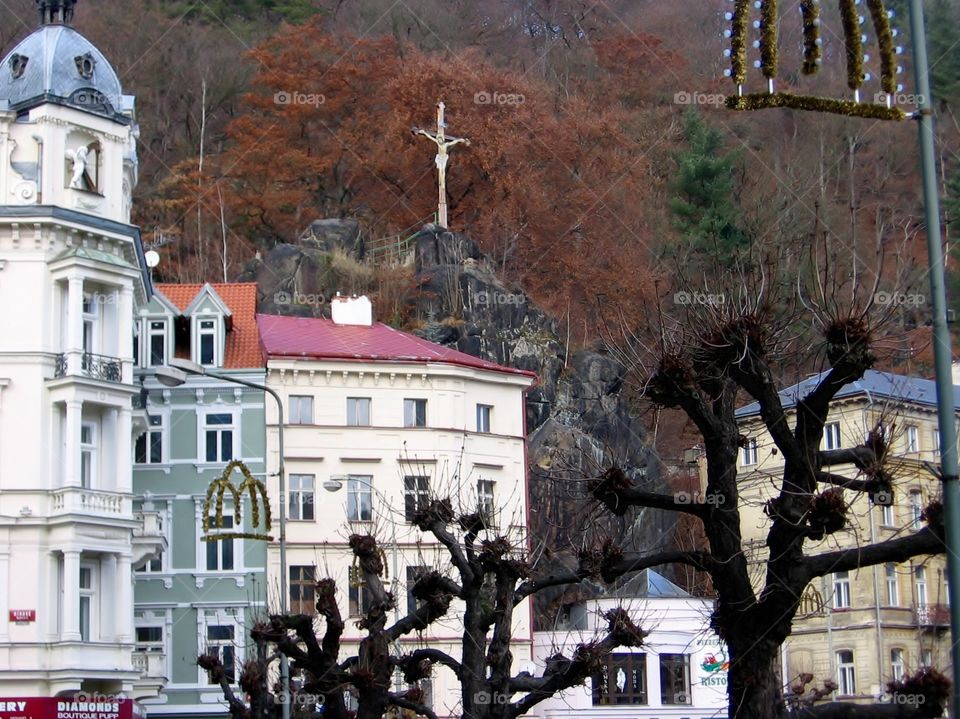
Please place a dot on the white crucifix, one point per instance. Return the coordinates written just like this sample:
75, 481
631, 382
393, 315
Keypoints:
444, 144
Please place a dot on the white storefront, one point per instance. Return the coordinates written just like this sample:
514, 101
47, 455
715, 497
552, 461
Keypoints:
681, 671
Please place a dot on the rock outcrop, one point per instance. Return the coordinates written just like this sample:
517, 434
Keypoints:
578, 418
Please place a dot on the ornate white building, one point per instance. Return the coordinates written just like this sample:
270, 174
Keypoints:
72, 275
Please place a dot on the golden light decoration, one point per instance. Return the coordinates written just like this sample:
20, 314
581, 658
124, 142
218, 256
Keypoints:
882, 108
252, 486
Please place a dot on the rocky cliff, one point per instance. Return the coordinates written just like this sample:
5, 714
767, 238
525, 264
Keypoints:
578, 417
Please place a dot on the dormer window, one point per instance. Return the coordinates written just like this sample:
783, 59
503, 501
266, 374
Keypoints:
86, 64
157, 342
18, 65
206, 342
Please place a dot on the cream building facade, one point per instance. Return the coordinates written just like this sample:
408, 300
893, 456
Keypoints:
867, 627
388, 420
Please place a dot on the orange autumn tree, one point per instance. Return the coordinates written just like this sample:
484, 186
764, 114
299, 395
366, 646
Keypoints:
552, 188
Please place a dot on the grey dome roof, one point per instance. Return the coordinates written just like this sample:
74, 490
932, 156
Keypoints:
58, 64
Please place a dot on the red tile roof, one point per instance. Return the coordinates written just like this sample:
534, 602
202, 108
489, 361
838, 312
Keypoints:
322, 339
242, 348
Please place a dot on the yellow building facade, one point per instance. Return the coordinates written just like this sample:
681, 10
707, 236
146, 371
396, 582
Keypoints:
867, 627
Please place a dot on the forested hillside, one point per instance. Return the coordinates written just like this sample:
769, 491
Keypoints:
603, 168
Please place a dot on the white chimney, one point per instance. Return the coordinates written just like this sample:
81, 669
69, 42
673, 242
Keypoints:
352, 311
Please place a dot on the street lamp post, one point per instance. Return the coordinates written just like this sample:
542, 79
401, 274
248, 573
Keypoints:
174, 375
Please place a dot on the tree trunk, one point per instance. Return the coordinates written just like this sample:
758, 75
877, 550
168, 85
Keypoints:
755, 690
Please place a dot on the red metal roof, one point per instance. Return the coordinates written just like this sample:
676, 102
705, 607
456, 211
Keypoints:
242, 349
322, 339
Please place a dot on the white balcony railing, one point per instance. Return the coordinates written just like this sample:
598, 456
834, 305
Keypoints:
150, 665
76, 500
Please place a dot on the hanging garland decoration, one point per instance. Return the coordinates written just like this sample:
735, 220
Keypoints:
763, 101
888, 58
810, 10
738, 41
221, 486
768, 39
812, 59
854, 46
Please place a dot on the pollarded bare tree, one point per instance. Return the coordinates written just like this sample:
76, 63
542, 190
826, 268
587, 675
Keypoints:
490, 578
735, 341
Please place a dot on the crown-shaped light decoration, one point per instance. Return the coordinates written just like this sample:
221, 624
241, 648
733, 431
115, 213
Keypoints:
882, 108
220, 487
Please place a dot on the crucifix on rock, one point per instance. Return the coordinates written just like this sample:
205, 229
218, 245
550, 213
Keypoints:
444, 144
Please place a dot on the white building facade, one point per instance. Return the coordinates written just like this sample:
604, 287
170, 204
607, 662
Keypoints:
389, 420
680, 672
72, 274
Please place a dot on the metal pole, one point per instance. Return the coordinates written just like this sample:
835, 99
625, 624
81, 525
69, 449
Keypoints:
284, 594
941, 339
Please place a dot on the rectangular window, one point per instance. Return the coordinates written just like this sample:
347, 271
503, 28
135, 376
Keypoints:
220, 644
301, 496
485, 503
302, 592
926, 658
622, 680
936, 442
886, 516
920, 574
893, 585
749, 452
483, 417
151, 565
414, 413
841, 590
91, 342
359, 595
896, 664
413, 574
149, 639
218, 437
149, 447
831, 436
87, 602
301, 409
916, 509
220, 553
88, 454
358, 411
675, 679
416, 495
359, 498
207, 342
913, 439
157, 341
846, 676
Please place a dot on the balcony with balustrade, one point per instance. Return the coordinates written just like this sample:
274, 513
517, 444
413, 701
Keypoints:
87, 364
932, 617
152, 670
